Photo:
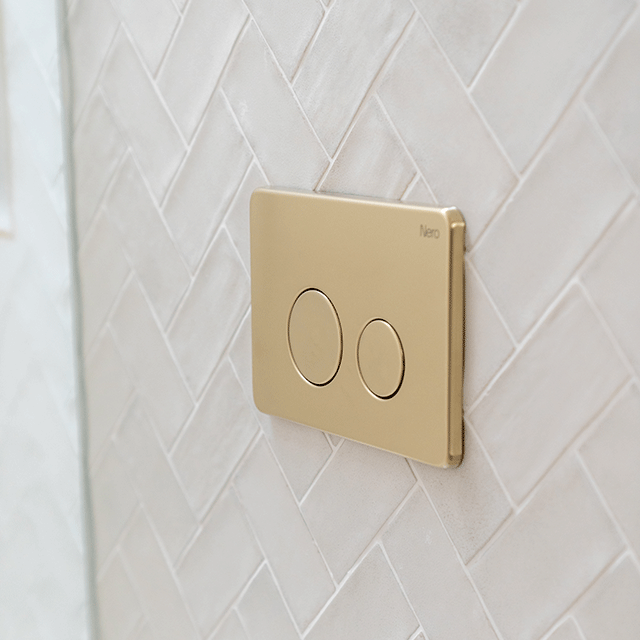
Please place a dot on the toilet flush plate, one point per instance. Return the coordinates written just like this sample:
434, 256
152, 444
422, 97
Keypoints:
357, 319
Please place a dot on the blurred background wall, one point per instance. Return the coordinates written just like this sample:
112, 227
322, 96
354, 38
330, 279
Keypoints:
213, 521
43, 558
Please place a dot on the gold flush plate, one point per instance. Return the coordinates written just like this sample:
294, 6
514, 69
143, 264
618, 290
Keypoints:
357, 319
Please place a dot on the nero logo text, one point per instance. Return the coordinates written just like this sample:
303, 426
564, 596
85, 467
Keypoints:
427, 232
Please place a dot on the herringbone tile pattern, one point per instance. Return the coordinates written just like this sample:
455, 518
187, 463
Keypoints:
216, 522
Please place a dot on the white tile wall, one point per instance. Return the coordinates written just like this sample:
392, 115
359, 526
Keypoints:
521, 112
43, 555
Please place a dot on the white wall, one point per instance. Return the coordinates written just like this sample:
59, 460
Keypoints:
214, 521
43, 590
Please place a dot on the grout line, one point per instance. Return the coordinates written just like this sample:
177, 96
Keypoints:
283, 75
501, 37
412, 183
579, 628
607, 329
101, 452
403, 144
584, 83
217, 87
203, 514
575, 101
464, 567
472, 102
375, 539
233, 606
328, 461
402, 589
95, 86
622, 167
493, 467
92, 347
154, 85
472, 267
371, 94
258, 542
569, 610
293, 495
572, 281
416, 634
244, 136
629, 547
307, 50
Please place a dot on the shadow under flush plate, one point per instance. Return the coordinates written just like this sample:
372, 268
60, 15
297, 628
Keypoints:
357, 319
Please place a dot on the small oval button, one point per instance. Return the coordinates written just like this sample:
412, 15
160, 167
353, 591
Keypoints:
381, 359
315, 337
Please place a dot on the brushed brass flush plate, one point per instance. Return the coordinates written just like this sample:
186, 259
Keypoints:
357, 319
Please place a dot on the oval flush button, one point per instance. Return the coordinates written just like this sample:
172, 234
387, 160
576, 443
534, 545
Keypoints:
381, 359
315, 337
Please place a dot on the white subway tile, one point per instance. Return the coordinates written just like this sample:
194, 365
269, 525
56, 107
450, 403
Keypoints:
151, 29
197, 56
155, 584
288, 26
611, 607
539, 64
146, 240
149, 363
98, 148
270, 116
263, 612
137, 107
104, 270
609, 279
429, 571
215, 438
443, 131
119, 610
92, 26
469, 499
207, 181
211, 312
556, 216
237, 217
352, 499
370, 606
614, 98
290, 549
550, 392
113, 501
558, 544
108, 390
611, 455
487, 344
231, 629
154, 479
372, 161
468, 30
329, 96
219, 563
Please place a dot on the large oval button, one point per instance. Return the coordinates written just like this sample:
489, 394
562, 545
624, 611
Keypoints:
381, 359
315, 337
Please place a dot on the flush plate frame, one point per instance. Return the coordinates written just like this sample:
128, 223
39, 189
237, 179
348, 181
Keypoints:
374, 259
